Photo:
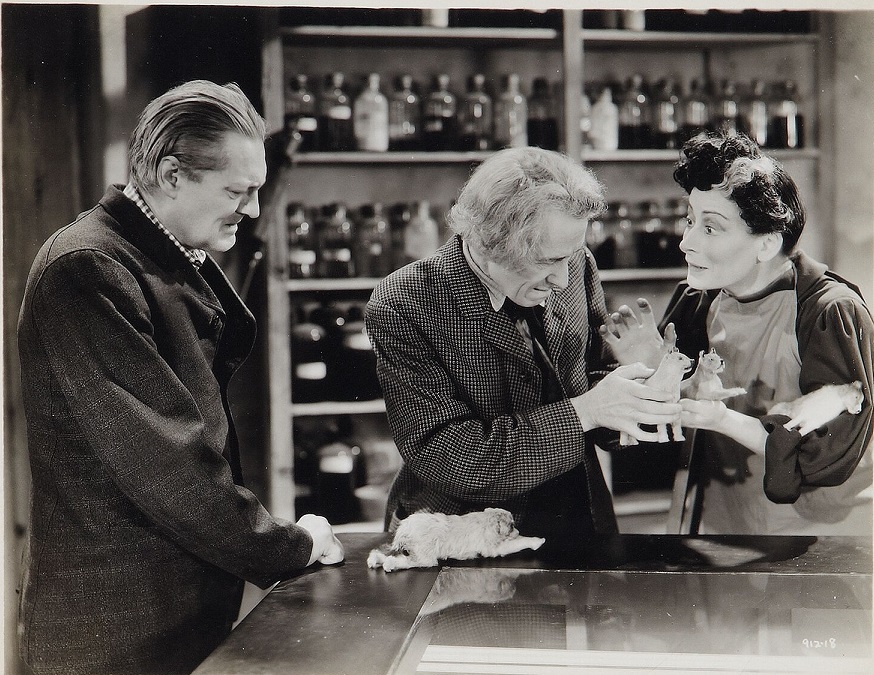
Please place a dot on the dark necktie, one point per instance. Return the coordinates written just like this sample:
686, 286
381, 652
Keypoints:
552, 389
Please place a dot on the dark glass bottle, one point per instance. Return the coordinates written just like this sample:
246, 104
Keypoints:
635, 127
696, 111
399, 217
336, 239
787, 124
511, 115
440, 118
542, 116
359, 381
309, 370
756, 114
726, 113
405, 117
301, 242
475, 116
300, 113
372, 242
666, 113
336, 127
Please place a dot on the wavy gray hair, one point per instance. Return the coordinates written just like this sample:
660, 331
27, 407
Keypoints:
500, 210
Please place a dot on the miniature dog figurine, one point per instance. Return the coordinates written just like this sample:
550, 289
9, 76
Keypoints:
705, 385
424, 538
667, 377
813, 410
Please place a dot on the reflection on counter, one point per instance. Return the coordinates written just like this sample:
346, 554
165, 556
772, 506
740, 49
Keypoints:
488, 620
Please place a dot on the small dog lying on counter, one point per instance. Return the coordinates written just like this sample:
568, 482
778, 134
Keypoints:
424, 538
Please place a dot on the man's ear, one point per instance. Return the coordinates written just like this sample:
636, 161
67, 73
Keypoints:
771, 245
168, 175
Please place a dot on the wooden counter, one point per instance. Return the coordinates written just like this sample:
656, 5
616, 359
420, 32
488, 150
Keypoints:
350, 619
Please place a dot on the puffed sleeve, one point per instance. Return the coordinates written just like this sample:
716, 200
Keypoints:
835, 348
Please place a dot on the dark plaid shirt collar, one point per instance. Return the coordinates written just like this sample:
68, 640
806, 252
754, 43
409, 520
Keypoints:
195, 256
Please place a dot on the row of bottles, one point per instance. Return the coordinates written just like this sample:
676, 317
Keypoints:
665, 116
441, 120
333, 241
644, 234
332, 358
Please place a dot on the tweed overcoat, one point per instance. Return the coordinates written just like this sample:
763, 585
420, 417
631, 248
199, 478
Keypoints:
141, 533
463, 393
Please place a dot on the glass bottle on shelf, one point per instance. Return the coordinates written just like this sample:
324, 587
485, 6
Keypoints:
787, 123
756, 114
604, 134
475, 116
422, 235
726, 114
336, 240
372, 242
542, 116
439, 123
635, 128
336, 130
623, 235
600, 242
585, 120
359, 381
511, 115
300, 113
666, 108
301, 242
370, 117
309, 370
399, 216
404, 117
696, 111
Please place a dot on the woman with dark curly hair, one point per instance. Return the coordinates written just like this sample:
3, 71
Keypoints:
785, 326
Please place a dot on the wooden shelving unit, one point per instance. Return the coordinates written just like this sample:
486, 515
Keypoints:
572, 54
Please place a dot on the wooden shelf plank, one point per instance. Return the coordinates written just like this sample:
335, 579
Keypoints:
337, 408
419, 35
594, 38
589, 155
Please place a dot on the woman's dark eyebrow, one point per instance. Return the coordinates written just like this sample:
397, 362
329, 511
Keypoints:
714, 213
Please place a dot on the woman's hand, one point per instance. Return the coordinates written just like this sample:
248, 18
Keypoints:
702, 414
634, 340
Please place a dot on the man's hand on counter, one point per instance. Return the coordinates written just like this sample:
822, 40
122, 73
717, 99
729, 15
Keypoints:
327, 549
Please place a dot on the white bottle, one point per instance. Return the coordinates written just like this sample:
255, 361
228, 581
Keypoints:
604, 133
585, 121
370, 117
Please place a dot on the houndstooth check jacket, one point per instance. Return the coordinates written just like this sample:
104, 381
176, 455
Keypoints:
463, 392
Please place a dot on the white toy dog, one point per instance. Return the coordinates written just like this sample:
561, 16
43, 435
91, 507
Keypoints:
424, 538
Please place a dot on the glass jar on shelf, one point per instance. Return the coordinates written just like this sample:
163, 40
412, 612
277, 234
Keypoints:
440, 117
726, 112
635, 125
404, 117
399, 216
336, 240
370, 117
372, 242
309, 369
787, 123
666, 115
302, 243
422, 235
696, 111
542, 116
622, 230
511, 115
300, 113
336, 129
756, 113
475, 116
604, 133
600, 242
